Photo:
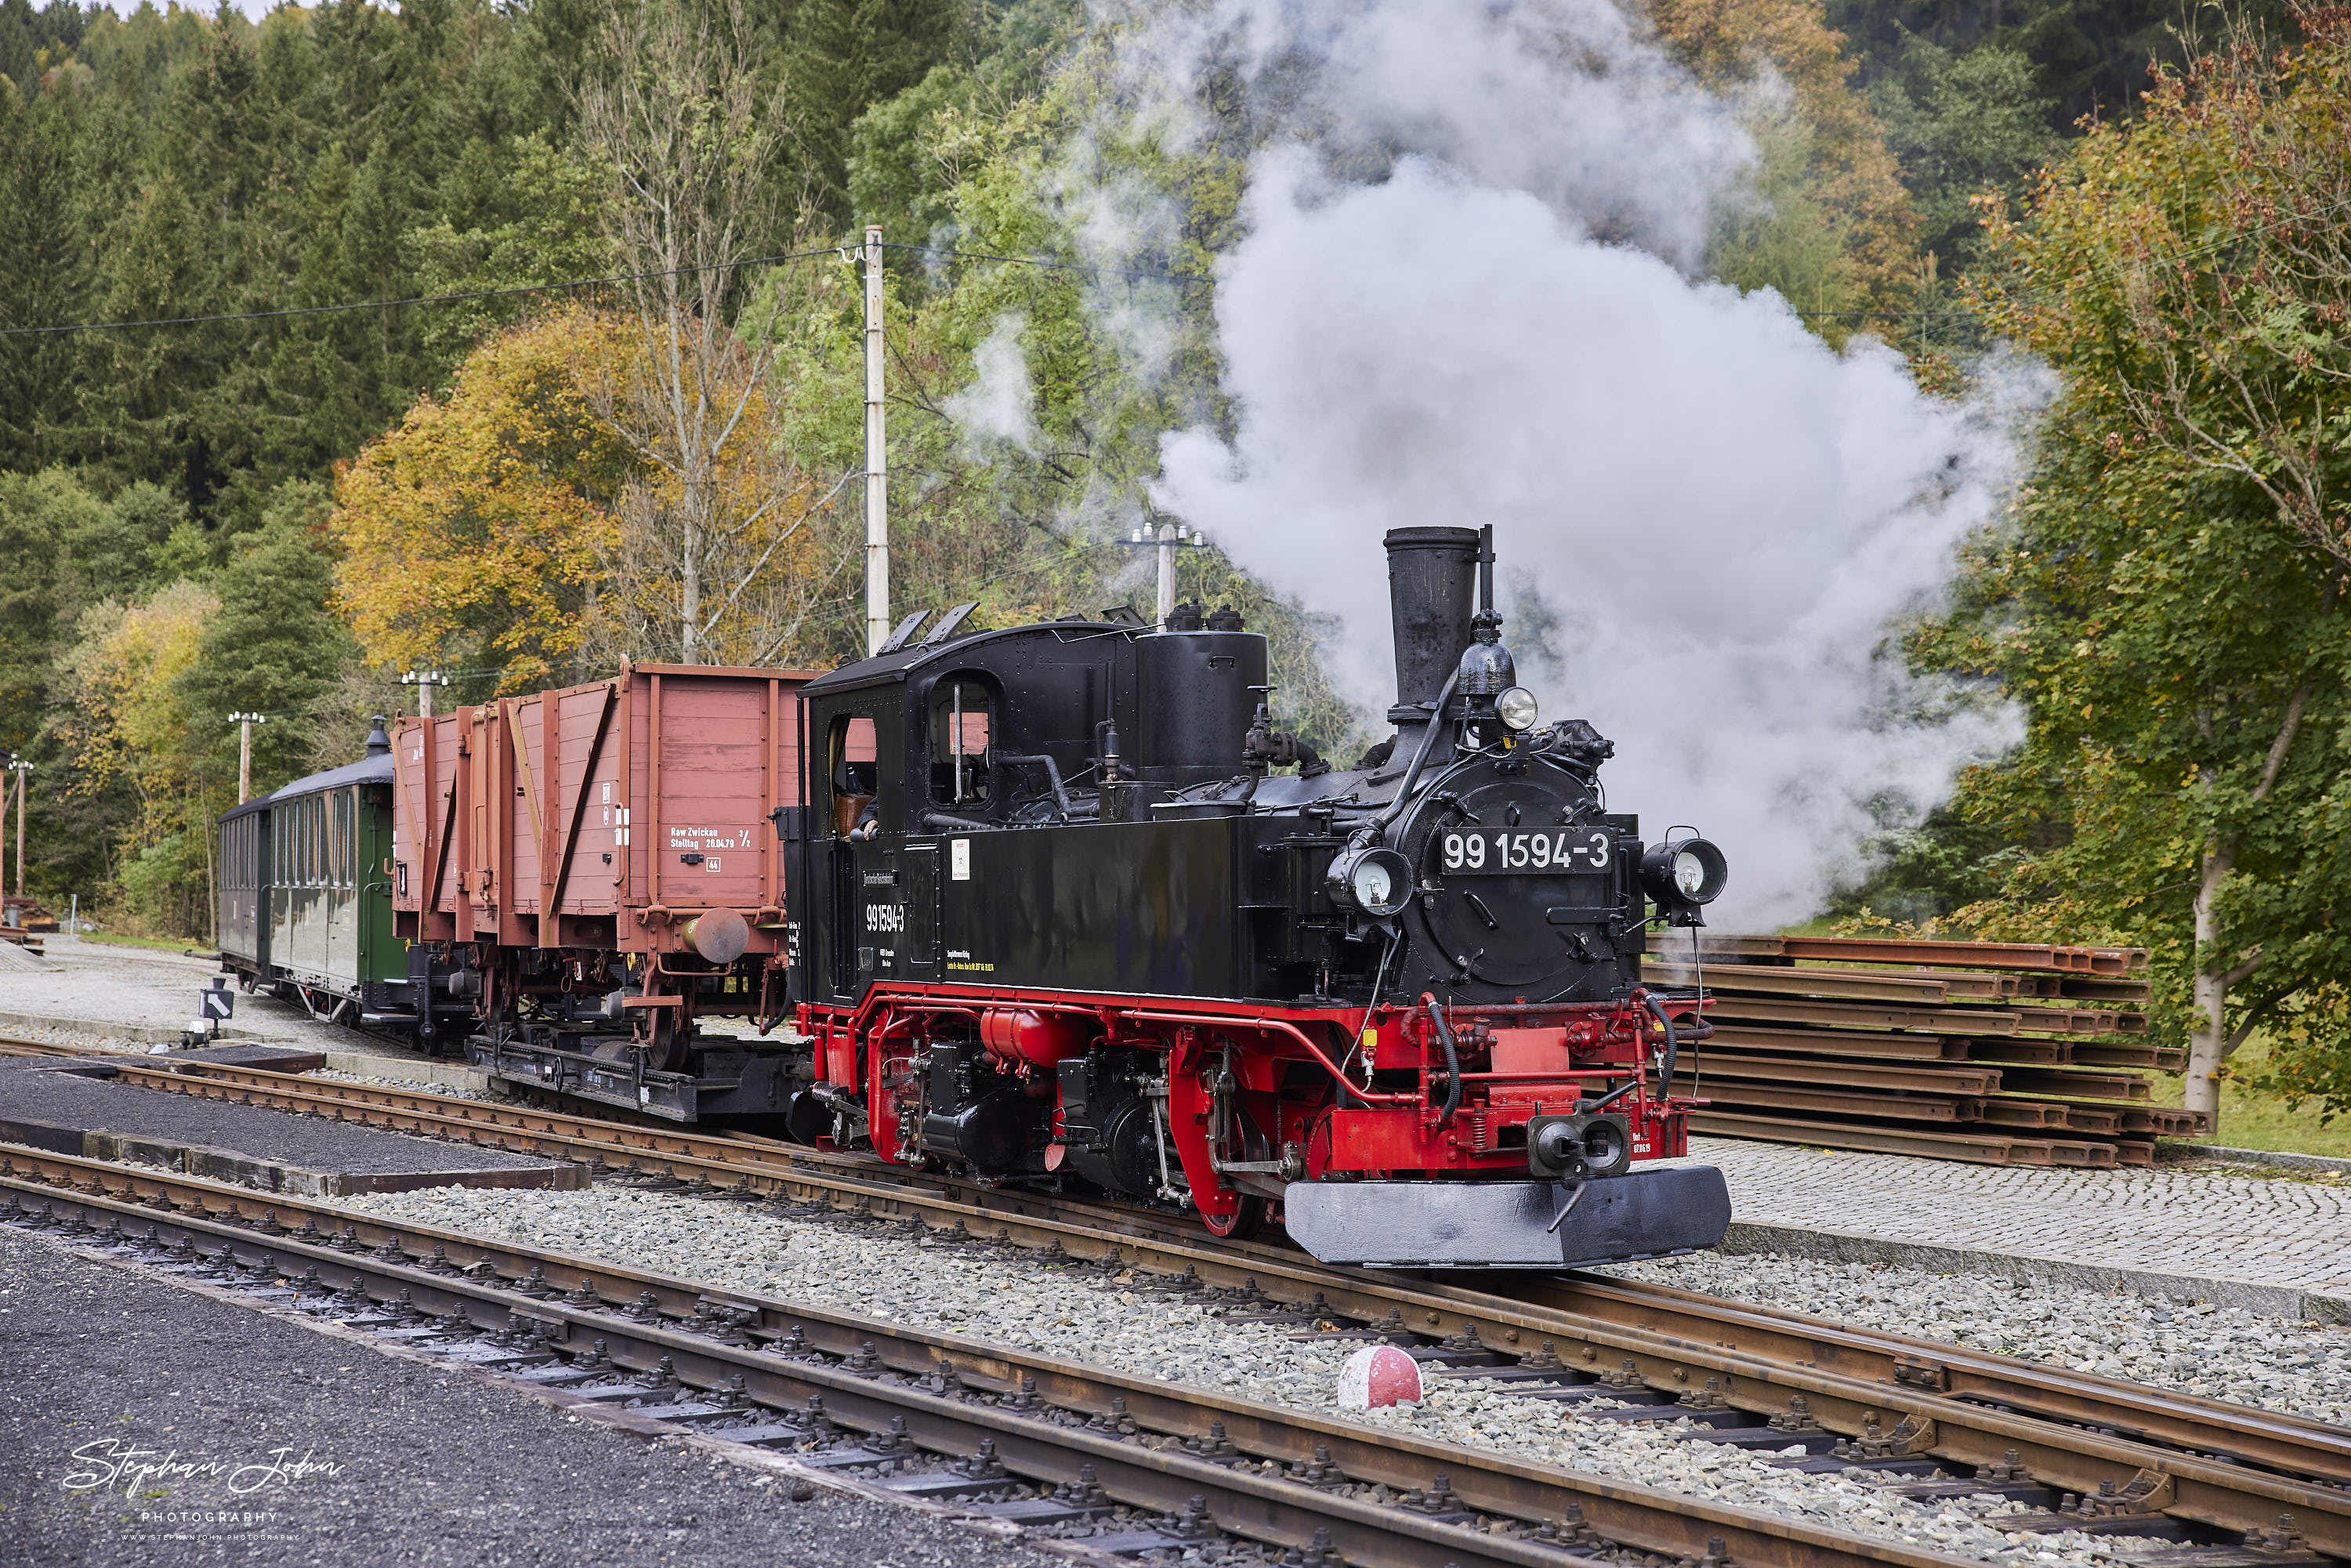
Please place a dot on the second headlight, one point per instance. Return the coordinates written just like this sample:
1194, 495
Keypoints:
1377, 881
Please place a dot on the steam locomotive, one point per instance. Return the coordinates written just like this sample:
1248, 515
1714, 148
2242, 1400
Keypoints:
1057, 906
1068, 906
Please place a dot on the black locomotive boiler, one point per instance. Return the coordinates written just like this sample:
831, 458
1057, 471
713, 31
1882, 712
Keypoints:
1065, 907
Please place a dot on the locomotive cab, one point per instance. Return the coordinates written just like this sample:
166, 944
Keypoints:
1072, 912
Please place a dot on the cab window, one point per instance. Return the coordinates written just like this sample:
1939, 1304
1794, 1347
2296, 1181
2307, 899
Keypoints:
962, 727
856, 772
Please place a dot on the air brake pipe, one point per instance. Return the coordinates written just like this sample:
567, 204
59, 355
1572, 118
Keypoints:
1452, 1062
1649, 1001
1671, 1050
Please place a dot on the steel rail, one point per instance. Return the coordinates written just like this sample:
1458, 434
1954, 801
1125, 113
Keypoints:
749, 1164
630, 1312
2245, 1434
139, 1071
2228, 1466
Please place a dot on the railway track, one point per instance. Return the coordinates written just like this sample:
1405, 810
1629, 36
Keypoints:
922, 1414
2137, 1459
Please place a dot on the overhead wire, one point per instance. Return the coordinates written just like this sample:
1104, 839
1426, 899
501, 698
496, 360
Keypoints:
1053, 265
415, 300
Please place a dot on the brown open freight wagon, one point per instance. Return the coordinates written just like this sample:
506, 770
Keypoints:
657, 809
634, 816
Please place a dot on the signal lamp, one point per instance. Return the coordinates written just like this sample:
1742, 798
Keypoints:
1682, 876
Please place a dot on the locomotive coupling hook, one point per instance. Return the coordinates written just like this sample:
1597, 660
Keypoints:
1565, 1209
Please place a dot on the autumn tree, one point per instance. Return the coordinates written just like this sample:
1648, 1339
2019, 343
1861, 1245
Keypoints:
1831, 228
130, 723
479, 532
2169, 605
510, 531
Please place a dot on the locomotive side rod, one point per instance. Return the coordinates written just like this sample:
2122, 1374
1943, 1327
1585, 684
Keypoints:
676, 1326
1850, 1378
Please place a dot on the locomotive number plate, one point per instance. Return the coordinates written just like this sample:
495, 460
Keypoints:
1516, 852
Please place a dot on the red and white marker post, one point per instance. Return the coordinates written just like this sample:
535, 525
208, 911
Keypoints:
1377, 1375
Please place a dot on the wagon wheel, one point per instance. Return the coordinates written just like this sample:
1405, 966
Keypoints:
666, 1047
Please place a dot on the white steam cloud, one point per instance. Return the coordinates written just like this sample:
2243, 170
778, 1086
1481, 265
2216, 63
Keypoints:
1001, 405
1464, 296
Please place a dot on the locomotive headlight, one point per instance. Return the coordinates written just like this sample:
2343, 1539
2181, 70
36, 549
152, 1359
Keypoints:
1377, 881
1684, 871
1517, 707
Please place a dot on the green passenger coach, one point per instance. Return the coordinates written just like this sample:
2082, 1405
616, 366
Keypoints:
306, 896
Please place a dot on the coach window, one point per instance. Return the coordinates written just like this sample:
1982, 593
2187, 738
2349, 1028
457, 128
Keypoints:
962, 727
856, 773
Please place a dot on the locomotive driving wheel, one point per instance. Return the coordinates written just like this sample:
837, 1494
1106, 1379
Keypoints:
1243, 1221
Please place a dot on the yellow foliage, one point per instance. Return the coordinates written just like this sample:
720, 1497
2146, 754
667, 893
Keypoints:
127, 667
481, 526
536, 523
1822, 150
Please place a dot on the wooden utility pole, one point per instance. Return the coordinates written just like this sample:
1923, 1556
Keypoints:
877, 476
23, 771
1167, 539
1168, 533
245, 722
424, 681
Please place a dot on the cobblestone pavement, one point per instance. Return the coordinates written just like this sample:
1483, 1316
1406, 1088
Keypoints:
2273, 1231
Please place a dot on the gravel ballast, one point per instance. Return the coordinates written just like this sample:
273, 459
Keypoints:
410, 1466
2220, 1353
1081, 1316
405, 1085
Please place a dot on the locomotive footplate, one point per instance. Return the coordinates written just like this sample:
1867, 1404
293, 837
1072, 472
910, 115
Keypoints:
1510, 1224
728, 1078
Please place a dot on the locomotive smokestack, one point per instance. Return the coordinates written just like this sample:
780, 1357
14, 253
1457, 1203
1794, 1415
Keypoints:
1432, 583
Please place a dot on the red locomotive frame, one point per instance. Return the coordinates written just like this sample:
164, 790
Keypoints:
1538, 1061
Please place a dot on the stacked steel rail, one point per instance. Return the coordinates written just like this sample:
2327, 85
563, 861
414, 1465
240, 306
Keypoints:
2154, 1455
1997, 1053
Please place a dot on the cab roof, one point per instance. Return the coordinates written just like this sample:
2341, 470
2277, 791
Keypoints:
889, 669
